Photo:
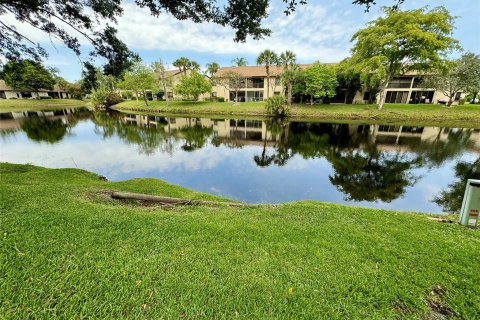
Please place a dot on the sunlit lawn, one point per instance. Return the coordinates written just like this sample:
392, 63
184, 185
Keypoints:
68, 251
13, 105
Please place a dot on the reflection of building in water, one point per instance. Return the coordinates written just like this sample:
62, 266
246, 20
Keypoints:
388, 137
242, 132
13, 120
255, 132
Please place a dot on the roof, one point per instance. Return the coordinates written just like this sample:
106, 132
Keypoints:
257, 71
4, 87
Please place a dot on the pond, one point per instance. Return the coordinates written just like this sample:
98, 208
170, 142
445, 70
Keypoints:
256, 161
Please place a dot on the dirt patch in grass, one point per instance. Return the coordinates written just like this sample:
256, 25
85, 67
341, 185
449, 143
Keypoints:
435, 302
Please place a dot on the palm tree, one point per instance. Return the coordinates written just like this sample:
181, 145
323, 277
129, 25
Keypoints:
290, 71
240, 62
287, 59
182, 64
267, 58
212, 68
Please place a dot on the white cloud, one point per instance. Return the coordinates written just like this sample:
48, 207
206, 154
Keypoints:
312, 32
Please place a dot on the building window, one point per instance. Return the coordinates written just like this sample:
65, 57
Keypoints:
214, 95
458, 95
3, 95
404, 82
255, 83
396, 97
170, 95
366, 95
254, 96
277, 81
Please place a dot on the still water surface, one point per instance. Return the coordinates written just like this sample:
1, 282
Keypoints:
382, 166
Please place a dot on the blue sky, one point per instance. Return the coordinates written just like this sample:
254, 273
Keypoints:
320, 30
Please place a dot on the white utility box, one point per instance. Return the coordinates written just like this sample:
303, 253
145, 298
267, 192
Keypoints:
471, 204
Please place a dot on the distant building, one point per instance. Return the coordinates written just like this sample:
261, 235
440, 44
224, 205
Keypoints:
7, 92
402, 89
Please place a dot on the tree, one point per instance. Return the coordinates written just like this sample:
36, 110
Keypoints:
193, 85
160, 73
212, 68
349, 81
27, 74
267, 58
139, 78
320, 81
452, 198
472, 73
402, 41
240, 62
75, 90
233, 81
183, 64
456, 75
290, 72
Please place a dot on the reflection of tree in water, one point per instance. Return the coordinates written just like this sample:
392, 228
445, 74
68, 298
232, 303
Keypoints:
43, 129
278, 128
195, 136
451, 199
371, 175
148, 138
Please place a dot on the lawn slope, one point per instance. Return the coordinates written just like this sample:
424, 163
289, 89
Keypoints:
68, 251
466, 114
16, 105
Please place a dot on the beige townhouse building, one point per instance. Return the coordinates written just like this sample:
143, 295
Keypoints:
7, 92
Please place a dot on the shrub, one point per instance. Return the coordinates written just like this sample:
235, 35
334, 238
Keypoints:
104, 98
462, 101
277, 106
112, 99
44, 98
220, 99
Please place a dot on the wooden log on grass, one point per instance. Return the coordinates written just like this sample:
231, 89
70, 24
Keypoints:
173, 201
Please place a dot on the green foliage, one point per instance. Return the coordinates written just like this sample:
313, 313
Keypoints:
183, 64
139, 78
193, 85
462, 101
277, 106
212, 68
240, 62
402, 41
458, 75
75, 90
320, 80
27, 74
349, 80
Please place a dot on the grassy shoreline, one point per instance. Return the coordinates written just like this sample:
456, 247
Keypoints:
67, 250
18, 105
466, 114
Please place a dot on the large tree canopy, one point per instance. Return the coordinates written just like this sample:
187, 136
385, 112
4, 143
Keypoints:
70, 20
27, 74
402, 41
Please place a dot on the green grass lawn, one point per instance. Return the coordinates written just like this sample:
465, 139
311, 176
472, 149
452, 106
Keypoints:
66, 252
391, 112
15, 105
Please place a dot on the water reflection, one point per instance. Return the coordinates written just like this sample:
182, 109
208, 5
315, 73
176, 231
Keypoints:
367, 163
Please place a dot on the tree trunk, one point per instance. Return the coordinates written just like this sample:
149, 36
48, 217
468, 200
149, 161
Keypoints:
145, 97
450, 100
136, 95
474, 97
381, 98
236, 97
289, 93
311, 99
